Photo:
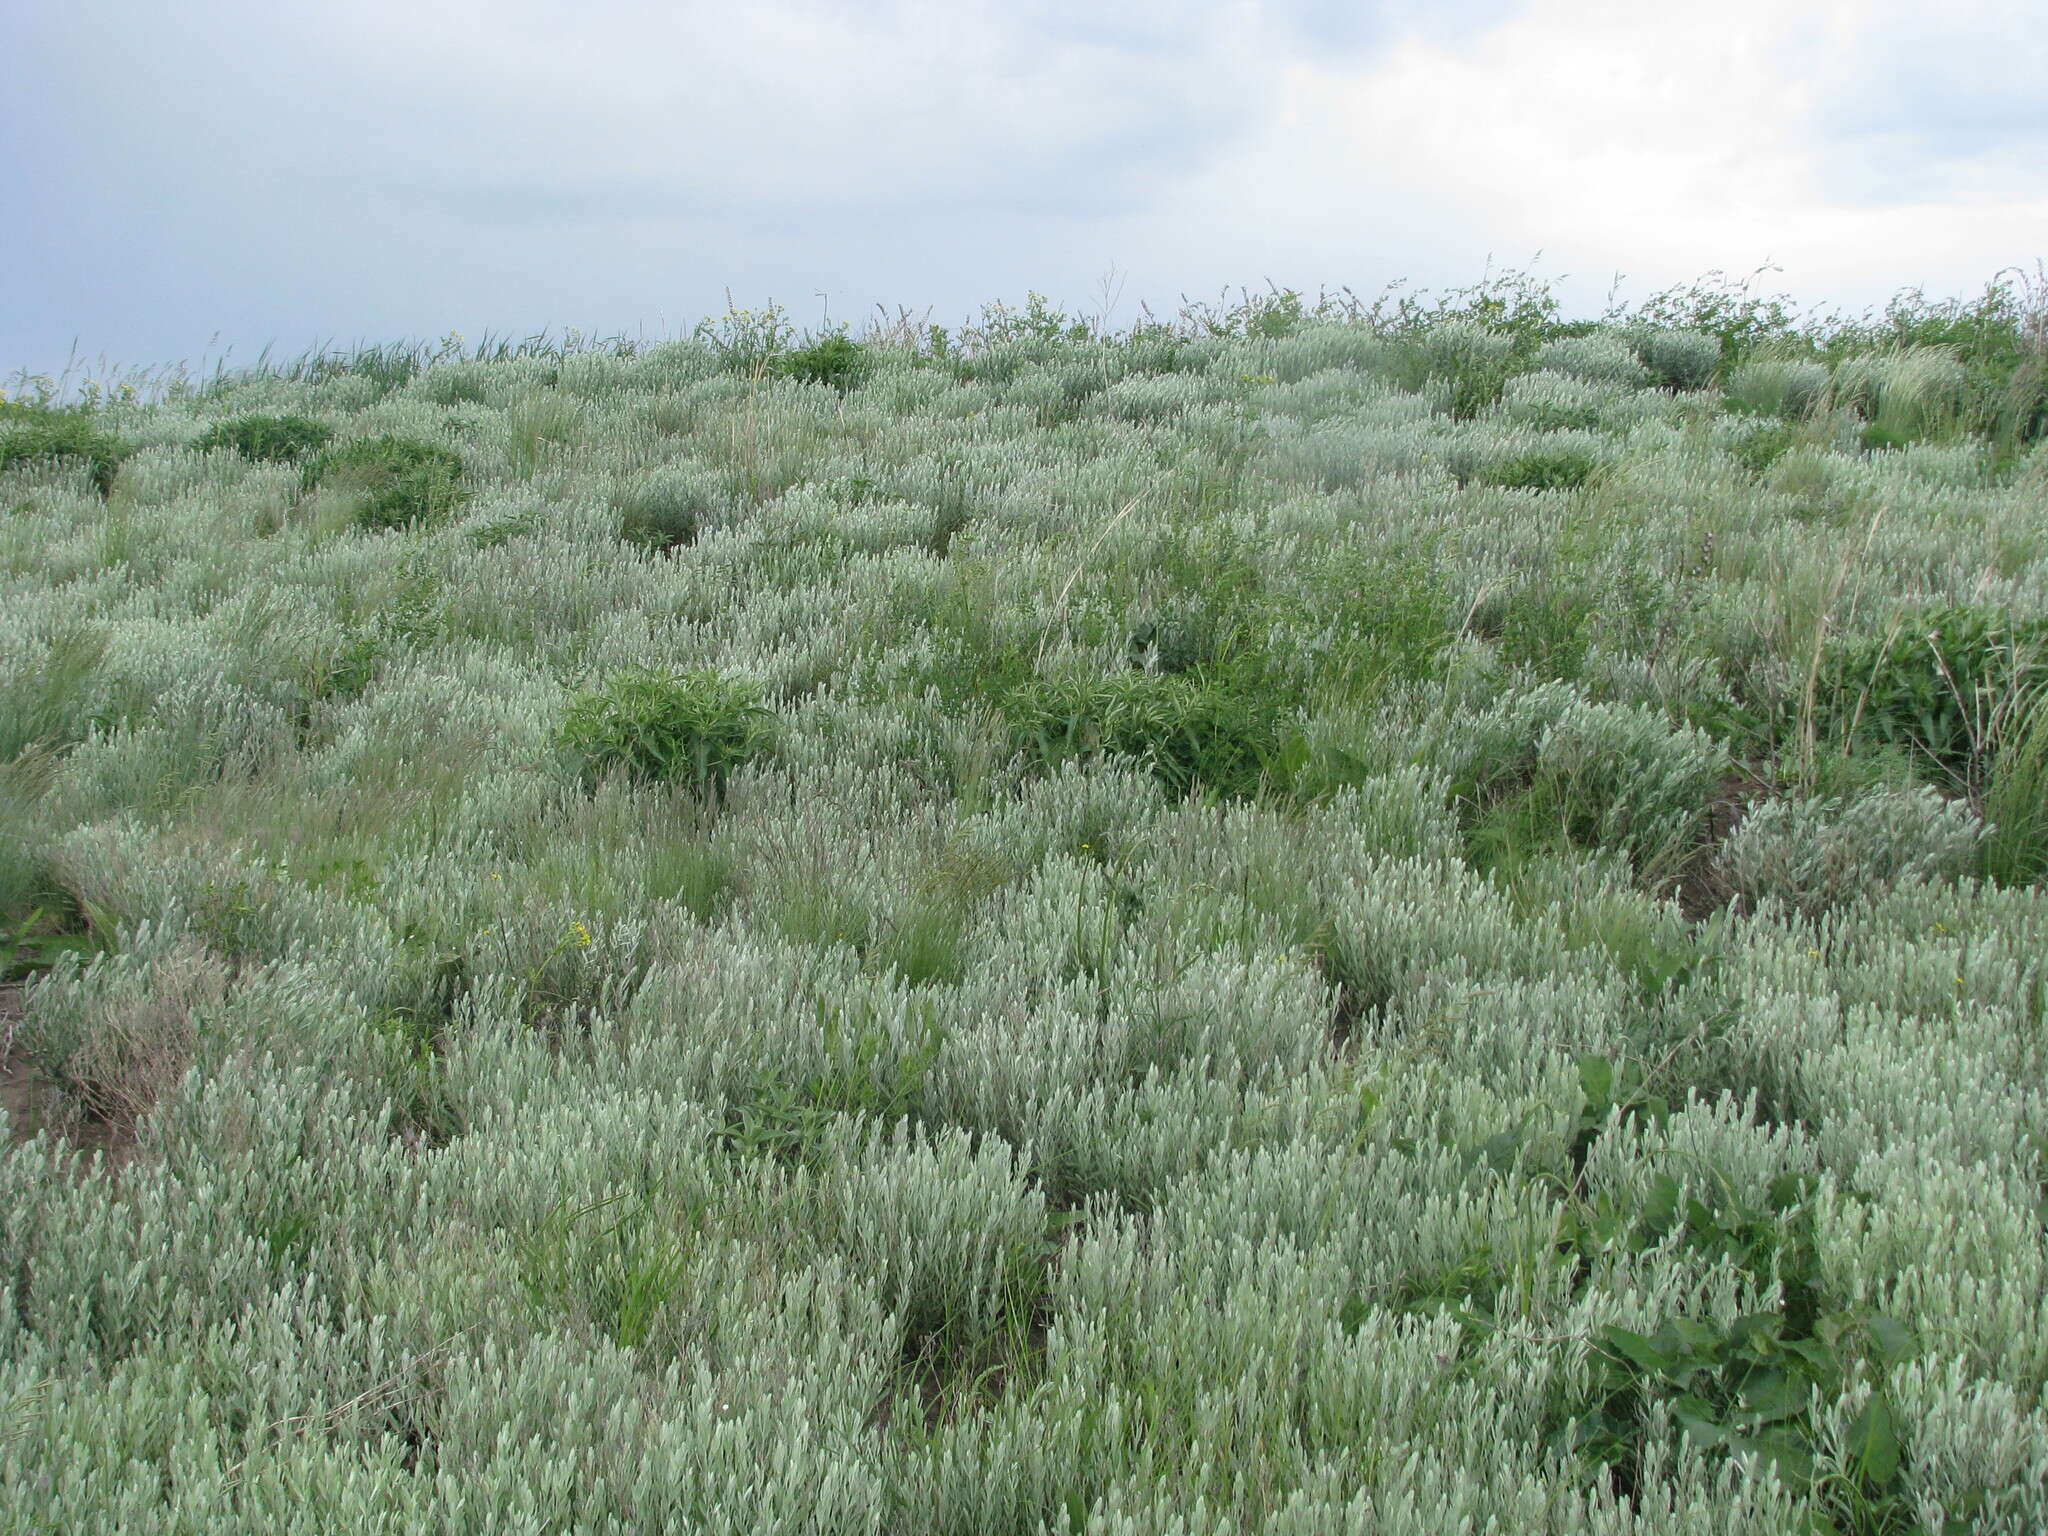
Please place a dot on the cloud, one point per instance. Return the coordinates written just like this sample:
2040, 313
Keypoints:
1653, 142
1931, 104
394, 167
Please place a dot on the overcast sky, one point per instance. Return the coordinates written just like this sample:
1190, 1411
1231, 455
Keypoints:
229, 173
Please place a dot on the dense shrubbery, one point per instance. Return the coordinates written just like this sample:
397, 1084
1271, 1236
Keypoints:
397, 481
277, 439
1191, 732
1253, 980
839, 362
1948, 685
30, 433
690, 728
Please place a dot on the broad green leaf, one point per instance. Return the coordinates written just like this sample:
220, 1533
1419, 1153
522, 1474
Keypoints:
1636, 1350
1873, 1444
1596, 1080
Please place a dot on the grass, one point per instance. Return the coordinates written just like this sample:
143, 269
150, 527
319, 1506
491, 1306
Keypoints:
31, 433
394, 481
1316, 914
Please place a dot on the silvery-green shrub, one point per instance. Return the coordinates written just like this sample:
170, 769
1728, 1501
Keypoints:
1813, 855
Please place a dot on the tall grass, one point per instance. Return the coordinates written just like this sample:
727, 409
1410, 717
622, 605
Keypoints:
1312, 914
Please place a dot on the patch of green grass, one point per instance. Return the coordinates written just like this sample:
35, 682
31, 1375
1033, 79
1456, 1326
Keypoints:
399, 482
1192, 732
688, 728
2015, 849
1764, 444
1943, 685
31, 434
612, 1264
838, 362
665, 510
49, 705
271, 439
1556, 469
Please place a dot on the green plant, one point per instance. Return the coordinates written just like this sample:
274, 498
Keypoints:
33, 941
1778, 386
1549, 769
1749, 1389
538, 421
1904, 395
690, 728
398, 482
275, 439
1947, 684
32, 433
837, 361
49, 705
2015, 849
387, 365
864, 1075
747, 341
1730, 310
1190, 731
1464, 359
614, 1262
665, 509
1677, 359
1561, 469
1764, 445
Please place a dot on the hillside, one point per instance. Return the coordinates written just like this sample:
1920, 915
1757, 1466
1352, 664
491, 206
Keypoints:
1389, 917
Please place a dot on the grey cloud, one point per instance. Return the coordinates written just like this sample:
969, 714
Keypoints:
1932, 105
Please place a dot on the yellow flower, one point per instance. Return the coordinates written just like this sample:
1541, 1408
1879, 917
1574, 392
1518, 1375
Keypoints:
580, 934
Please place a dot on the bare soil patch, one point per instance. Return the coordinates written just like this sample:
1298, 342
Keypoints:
1701, 891
35, 1104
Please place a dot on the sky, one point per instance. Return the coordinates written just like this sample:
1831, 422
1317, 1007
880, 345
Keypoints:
203, 180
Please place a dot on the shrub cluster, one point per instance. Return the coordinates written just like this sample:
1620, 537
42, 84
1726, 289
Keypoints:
275, 439
689, 728
31, 433
398, 482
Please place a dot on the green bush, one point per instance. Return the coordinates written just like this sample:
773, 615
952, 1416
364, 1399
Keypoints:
1763, 445
29, 433
1678, 360
1557, 469
1549, 768
401, 480
1814, 855
690, 728
1469, 362
1905, 395
838, 361
666, 508
1604, 358
1190, 731
1771, 386
273, 439
1943, 686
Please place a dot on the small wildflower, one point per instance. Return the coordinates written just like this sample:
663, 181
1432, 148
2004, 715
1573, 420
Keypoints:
580, 934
